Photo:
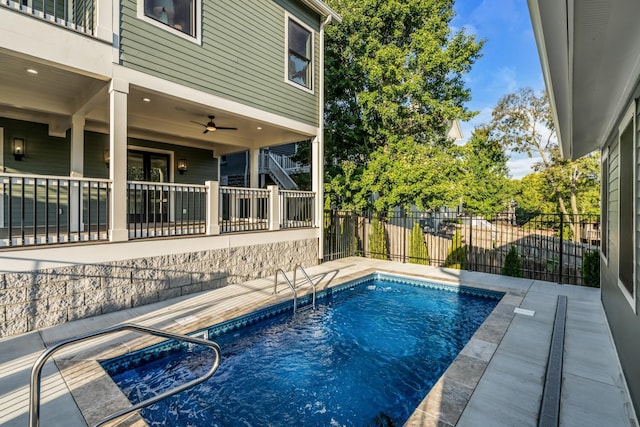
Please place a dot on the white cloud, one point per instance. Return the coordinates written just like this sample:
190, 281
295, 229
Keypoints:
519, 167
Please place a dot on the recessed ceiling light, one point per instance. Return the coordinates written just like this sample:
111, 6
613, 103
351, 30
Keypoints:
32, 71
146, 99
259, 128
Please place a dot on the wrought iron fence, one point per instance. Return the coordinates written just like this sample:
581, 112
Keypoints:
165, 209
41, 210
548, 247
243, 209
296, 208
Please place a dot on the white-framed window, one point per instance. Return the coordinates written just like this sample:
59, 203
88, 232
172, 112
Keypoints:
180, 17
298, 54
627, 206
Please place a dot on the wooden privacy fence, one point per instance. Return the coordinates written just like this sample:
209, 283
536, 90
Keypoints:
549, 247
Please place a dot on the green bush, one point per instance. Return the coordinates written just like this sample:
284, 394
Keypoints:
378, 241
418, 253
591, 269
457, 255
512, 264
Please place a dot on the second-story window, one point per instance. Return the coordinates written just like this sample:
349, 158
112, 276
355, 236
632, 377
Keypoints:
299, 54
177, 14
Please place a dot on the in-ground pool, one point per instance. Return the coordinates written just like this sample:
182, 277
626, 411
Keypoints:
367, 356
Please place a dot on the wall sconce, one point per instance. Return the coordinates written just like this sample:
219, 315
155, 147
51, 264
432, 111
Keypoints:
182, 166
107, 157
18, 148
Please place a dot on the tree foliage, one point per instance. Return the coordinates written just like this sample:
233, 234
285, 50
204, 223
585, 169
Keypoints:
418, 253
523, 123
512, 264
394, 84
457, 254
487, 186
378, 240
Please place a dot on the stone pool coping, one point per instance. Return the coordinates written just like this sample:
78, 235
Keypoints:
98, 396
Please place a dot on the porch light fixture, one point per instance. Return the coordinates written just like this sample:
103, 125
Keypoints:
107, 156
18, 148
182, 166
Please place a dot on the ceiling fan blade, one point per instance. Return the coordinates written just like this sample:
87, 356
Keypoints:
223, 128
198, 123
206, 130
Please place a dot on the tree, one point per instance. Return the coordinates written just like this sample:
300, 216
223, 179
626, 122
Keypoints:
457, 255
485, 179
418, 253
394, 81
378, 240
523, 123
512, 264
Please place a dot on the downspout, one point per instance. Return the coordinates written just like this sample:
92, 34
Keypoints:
320, 141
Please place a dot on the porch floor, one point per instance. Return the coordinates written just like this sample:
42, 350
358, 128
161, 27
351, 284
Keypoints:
508, 354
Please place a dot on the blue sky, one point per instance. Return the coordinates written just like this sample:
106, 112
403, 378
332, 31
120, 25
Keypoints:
509, 60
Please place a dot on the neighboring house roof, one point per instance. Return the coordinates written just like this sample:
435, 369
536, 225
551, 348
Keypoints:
589, 52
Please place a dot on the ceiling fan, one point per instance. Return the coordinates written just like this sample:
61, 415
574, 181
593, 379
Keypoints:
211, 127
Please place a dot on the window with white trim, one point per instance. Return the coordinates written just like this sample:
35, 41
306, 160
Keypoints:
627, 206
177, 15
299, 56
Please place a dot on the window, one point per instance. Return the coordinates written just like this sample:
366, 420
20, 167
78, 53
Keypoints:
178, 15
626, 206
299, 54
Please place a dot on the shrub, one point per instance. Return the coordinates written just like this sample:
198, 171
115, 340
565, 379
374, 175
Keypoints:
377, 241
512, 264
457, 255
418, 253
591, 269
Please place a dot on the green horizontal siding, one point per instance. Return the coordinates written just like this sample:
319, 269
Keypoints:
241, 58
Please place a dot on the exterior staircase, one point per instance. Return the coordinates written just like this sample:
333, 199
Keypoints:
279, 168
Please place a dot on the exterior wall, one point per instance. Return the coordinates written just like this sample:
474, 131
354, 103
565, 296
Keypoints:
32, 300
241, 56
623, 321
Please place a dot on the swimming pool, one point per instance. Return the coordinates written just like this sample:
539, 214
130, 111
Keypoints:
367, 356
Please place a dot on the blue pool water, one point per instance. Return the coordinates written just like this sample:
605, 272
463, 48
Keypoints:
367, 356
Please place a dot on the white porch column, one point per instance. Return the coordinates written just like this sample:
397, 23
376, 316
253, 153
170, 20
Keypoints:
274, 207
118, 93
254, 162
76, 169
213, 196
317, 183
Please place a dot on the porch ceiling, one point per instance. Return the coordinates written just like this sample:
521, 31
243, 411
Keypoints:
54, 94
590, 55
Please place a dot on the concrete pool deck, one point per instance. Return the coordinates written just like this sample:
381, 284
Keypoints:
497, 379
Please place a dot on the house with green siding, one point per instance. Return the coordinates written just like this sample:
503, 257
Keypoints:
589, 53
113, 119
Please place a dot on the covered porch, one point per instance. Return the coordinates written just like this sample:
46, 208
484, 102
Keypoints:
90, 158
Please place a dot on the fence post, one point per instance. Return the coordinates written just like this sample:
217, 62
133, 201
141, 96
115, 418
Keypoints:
274, 207
404, 237
561, 249
470, 245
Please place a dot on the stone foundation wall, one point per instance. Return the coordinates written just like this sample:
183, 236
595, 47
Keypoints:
33, 300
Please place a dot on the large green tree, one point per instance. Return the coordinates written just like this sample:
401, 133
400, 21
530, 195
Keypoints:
523, 123
394, 84
485, 179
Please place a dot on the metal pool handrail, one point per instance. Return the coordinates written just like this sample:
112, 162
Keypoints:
293, 288
36, 371
313, 285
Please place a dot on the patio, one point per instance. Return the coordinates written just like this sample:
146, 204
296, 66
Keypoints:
497, 379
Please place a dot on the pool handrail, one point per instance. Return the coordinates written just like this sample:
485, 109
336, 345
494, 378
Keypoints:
293, 288
36, 371
313, 285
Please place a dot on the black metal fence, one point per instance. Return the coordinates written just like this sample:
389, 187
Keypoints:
548, 247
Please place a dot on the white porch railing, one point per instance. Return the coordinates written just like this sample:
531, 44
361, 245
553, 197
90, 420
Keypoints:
77, 15
42, 210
